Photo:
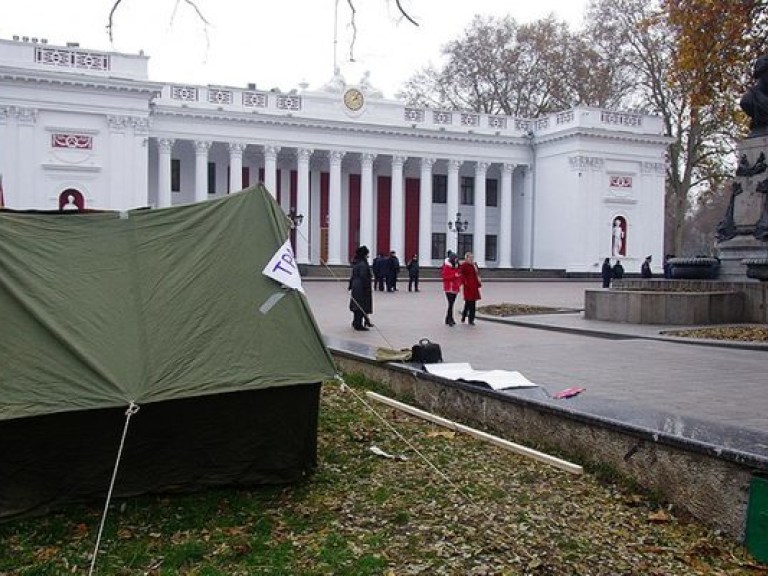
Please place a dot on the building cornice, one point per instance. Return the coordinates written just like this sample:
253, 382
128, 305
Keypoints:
579, 132
81, 81
288, 121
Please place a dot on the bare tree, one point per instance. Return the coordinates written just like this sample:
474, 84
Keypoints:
499, 66
702, 139
194, 5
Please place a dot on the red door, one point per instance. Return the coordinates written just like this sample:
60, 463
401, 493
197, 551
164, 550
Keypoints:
383, 208
412, 188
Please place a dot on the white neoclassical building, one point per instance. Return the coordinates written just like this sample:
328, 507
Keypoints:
88, 129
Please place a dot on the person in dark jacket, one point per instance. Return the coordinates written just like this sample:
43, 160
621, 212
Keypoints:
392, 270
379, 270
618, 270
645, 268
607, 273
361, 294
413, 273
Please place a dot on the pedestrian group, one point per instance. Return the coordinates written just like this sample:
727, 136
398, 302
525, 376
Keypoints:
382, 275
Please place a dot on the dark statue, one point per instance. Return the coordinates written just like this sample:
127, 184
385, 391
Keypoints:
745, 169
755, 100
726, 229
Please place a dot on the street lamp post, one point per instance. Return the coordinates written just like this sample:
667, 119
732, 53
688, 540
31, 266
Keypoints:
458, 226
296, 219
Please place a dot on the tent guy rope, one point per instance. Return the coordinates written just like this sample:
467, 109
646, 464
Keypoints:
132, 409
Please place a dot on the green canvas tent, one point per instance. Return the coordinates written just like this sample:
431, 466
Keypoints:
169, 310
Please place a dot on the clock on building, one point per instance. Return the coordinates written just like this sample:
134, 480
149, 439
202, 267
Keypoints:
354, 99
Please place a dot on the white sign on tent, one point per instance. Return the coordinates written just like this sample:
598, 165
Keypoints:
283, 268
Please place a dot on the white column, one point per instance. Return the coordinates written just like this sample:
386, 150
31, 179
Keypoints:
527, 237
397, 208
139, 159
270, 168
164, 149
366, 200
452, 203
26, 121
115, 194
334, 208
236, 166
285, 187
8, 156
425, 211
479, 232
302, 204
201, 170
505, 223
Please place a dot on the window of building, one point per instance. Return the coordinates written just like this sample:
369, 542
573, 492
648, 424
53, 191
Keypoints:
491, 192
464, 244
175, 175
490, 248
211, 177
467, 191
439, 188
439, 245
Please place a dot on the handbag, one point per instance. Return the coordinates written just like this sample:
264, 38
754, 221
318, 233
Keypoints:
426, 352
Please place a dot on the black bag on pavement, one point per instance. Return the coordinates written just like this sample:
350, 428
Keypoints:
426, 352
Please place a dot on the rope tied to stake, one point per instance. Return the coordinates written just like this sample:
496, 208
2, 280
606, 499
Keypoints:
129, 412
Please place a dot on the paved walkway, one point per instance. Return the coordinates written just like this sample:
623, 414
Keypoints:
632, 370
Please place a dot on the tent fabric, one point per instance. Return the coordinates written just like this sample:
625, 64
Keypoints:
103, 309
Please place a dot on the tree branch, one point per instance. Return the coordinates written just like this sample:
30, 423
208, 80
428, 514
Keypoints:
405, 14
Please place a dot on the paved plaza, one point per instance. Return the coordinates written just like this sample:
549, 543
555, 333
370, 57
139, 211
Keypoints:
628, 367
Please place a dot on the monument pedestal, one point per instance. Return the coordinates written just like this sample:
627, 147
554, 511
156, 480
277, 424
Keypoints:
741, 234
733, 251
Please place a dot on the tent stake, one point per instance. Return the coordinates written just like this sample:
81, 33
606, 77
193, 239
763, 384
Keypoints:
495, 440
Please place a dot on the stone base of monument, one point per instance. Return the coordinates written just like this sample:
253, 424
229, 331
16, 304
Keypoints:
757, 268
679, 302
734, 251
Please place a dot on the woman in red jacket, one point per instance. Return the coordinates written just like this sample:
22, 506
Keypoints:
470, 278
451, 275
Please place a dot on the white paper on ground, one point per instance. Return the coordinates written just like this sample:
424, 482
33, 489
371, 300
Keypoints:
496, 379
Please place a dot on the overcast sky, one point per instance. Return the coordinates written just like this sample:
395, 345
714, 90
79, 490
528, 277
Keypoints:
275, 43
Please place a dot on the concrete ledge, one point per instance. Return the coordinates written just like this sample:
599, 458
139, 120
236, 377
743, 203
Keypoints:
664, 307
755, 294
708, 480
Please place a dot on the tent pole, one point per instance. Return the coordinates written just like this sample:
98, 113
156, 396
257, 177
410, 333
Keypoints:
495, 440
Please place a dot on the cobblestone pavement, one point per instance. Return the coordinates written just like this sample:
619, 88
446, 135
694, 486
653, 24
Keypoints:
719, 384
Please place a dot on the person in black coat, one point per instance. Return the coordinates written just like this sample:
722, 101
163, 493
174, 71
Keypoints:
618, 270
361, 293
413, 273
607, 273
645, 268
379, 270
392, 270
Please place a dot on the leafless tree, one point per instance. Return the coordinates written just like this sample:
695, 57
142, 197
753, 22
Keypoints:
194, 5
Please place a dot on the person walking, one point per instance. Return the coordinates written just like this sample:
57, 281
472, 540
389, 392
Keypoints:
451, 275
607, 273
413, 273
618, 270
361, 293
470, 281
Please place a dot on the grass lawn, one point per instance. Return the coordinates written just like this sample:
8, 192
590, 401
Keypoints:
471, 510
